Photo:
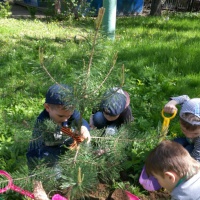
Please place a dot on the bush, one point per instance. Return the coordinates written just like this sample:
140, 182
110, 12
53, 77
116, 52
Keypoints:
5, 9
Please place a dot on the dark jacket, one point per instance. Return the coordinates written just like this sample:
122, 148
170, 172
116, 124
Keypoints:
48, 142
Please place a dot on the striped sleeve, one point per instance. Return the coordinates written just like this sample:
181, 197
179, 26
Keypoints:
180, 99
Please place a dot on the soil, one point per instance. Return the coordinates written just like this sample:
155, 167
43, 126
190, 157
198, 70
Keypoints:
157, 195
103, 193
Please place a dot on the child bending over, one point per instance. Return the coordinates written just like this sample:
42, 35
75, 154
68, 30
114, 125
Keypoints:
174, 168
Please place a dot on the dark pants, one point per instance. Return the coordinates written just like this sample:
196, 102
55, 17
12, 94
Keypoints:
184, 142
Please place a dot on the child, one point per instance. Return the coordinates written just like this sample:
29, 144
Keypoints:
189, 122
190, 126
48, 141
175, 170
114, 110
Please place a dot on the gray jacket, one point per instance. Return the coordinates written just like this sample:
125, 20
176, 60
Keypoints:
187, 190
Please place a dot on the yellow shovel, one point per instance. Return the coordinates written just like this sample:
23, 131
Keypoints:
165, 125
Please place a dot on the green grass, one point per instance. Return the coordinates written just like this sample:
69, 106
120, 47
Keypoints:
161, 59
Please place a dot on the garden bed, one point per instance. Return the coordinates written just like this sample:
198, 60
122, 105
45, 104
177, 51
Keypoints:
103, 193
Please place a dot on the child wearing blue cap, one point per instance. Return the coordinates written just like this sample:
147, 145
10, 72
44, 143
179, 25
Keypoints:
189, 122
48, 141
114, 110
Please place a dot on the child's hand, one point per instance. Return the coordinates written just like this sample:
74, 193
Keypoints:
85, 133
170, 107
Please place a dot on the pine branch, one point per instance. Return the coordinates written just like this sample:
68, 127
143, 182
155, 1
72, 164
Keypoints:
108, 74
76, 155
41, 59
98, 25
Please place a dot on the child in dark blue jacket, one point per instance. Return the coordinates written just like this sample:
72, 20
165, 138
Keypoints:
48, 140
114, 110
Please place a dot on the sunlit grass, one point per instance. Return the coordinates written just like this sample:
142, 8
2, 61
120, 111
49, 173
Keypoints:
161, 57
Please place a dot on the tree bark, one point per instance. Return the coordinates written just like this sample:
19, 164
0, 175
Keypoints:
155, 8
190, 5
58, 6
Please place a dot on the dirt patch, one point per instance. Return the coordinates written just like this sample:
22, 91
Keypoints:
156, 195
103, 193
119, 194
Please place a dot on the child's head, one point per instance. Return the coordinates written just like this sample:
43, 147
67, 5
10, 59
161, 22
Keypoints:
190, 118
169, 162
113, 103
59, 102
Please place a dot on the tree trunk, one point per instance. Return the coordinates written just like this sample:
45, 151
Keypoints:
155, 8
58, 6
74, 9
190, 5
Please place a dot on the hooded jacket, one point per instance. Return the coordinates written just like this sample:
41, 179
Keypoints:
187, 190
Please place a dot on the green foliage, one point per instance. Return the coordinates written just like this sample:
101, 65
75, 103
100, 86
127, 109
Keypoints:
5, 9
17, 176
128, 186
74, 9
80, 177
161, 60
12, 152
79, 171
32, 10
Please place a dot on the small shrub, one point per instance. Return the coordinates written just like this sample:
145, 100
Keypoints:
32, 10
5, 9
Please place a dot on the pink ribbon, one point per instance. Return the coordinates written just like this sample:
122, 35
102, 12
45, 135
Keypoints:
13, 187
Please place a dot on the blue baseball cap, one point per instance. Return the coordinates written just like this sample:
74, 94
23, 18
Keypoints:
191, 106
113, 102
60, 94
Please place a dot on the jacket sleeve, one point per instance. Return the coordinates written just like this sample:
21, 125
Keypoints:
76, 117
180, 99
38, 151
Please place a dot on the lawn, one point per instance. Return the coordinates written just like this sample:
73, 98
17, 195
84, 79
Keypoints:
160, 56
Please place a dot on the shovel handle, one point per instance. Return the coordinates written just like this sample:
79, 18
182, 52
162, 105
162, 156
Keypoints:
166, 120
163, 115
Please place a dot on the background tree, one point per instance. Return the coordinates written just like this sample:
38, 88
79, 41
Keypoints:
156, 8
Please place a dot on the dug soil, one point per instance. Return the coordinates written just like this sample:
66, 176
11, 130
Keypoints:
103, 193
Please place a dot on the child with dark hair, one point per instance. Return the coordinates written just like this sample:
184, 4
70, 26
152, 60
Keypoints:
49, 139
175, 170
114, 110
189, 122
